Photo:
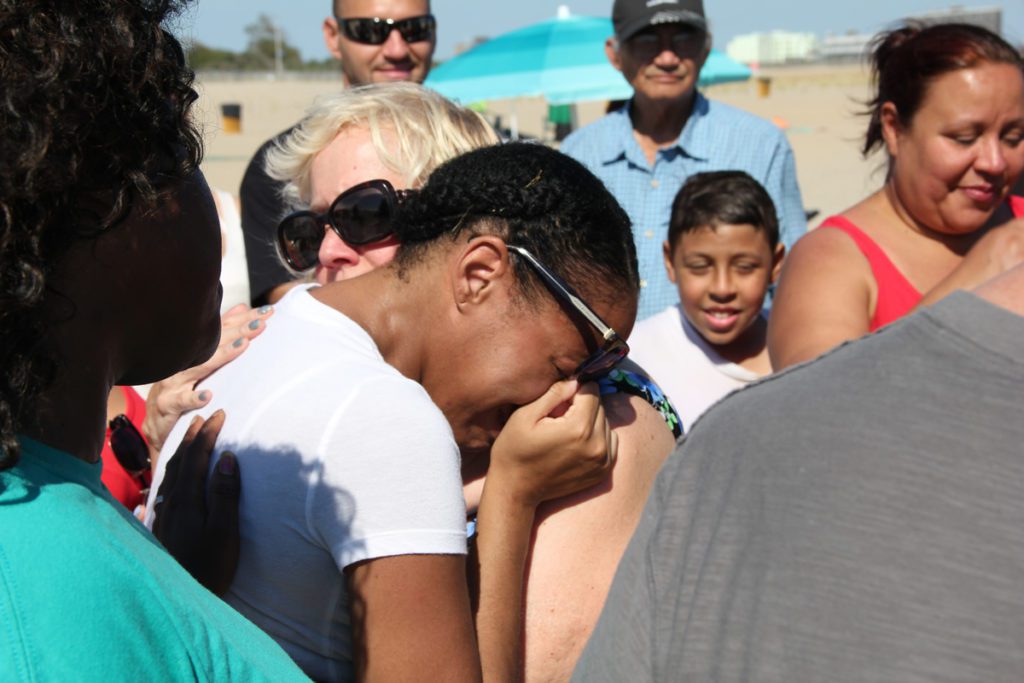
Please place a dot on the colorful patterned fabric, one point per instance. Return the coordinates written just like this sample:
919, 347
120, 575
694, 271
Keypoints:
635, 384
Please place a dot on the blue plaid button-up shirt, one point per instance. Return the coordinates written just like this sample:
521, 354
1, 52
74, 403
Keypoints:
716, 137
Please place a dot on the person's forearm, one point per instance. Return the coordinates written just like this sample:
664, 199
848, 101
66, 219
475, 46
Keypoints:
997, 251
961, 278
503, 536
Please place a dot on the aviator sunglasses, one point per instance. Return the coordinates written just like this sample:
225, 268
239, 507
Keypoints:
360, 215
613, 349
375, 31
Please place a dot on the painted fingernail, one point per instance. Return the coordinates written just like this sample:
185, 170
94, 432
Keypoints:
204, 395
238, 342
226, 465
254, 325
263, 310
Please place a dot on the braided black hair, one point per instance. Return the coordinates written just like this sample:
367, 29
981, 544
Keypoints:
94, 121
533, 197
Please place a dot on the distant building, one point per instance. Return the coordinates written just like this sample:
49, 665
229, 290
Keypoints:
854, 46
990, 17
775, 47
851, 47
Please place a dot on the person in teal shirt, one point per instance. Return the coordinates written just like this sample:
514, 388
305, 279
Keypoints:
86, 593
109, 264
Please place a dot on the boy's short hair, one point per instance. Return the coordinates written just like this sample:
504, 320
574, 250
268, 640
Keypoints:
722, 198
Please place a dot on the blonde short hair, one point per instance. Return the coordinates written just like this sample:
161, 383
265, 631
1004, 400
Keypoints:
425, 128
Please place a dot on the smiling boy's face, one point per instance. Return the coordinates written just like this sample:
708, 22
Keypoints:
722, 273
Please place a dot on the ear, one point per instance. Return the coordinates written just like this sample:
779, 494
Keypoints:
777, 258
331, 36
892, 128
481, 271
666, 253
611, 51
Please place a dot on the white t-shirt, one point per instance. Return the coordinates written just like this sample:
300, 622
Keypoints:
684, 365
342, 459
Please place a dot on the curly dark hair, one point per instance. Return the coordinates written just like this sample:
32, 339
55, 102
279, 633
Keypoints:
94, 113
532, 197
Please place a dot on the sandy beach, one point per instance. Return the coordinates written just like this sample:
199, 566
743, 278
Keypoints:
816, 105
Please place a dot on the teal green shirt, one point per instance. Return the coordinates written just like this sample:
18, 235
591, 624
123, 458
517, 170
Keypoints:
87, 594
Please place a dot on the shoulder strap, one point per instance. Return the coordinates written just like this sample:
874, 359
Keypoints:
1016, 205
896, 295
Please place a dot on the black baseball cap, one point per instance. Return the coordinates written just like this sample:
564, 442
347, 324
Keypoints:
632, 16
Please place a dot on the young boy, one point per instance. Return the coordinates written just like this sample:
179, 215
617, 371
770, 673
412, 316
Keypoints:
722, 253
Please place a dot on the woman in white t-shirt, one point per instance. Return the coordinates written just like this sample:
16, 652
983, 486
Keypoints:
473, 433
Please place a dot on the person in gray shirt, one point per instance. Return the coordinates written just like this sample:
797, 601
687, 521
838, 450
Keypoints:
857, 518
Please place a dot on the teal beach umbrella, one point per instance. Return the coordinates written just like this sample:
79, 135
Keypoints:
561, 59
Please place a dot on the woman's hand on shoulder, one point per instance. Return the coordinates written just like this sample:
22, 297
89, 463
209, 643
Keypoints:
168, 399
826, 296
557, 445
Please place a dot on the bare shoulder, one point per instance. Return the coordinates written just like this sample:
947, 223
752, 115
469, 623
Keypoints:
824, 264
578, 541
825, 245
826, 295
644, 440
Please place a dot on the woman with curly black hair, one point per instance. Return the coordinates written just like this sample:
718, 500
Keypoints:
109, 260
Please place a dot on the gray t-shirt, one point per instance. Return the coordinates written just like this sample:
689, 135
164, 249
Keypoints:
857, 518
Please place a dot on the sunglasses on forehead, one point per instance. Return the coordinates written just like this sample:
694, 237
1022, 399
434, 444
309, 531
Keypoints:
375, 31
613, 347
360, 215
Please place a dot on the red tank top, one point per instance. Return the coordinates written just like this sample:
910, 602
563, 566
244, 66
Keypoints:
896, 296
1016, 205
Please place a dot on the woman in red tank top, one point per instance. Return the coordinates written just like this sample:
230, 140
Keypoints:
949, 111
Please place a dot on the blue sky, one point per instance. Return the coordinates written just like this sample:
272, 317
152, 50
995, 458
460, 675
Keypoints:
220, 23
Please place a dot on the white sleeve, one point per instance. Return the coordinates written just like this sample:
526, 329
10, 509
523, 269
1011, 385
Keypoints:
389, 479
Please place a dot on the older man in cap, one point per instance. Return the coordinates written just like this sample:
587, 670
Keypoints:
669, 131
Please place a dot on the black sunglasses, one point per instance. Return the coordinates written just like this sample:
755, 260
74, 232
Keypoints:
360, 215
129, 447
374, 30
613, 349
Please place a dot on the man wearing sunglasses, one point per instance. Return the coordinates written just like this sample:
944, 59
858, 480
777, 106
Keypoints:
376, 41
381, 40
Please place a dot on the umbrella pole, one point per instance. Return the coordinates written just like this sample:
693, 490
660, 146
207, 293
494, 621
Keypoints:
513, 126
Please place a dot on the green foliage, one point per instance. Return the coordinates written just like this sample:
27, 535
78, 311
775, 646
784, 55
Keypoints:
259, 55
